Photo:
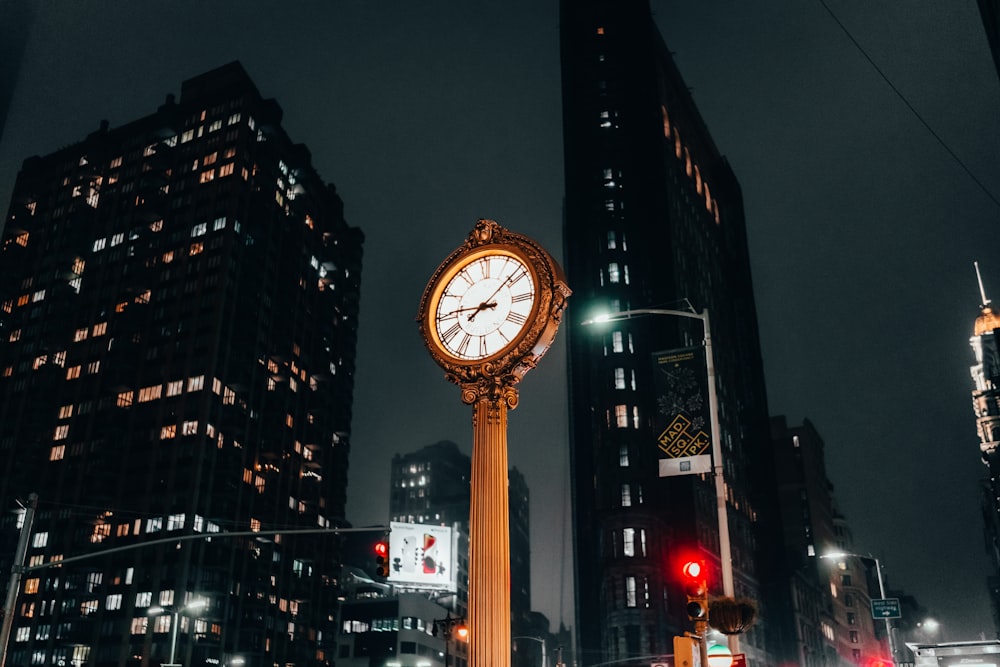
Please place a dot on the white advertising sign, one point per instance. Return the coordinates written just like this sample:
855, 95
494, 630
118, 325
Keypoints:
421, 556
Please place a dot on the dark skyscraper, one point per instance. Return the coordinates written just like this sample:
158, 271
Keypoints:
179, 320
653, 219
985, 344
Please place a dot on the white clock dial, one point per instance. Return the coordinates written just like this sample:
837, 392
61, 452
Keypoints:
485, 306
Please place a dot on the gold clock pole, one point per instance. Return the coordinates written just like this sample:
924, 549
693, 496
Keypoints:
489, 539
488, 314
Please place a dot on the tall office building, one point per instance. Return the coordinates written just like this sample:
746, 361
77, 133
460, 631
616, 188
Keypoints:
653, 219
830, 622
985, 344
179, 316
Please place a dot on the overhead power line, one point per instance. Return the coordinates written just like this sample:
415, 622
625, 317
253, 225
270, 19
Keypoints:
909, 106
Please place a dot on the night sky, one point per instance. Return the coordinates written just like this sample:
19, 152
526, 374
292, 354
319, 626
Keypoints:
863, 223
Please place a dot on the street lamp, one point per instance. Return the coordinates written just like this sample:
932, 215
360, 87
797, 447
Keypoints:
881, 591
535, 639
175, 613
725, 550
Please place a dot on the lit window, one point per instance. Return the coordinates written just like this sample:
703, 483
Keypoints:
174, 388
616, 342
219, 223
207, 176
233, 119
621, 416
40, 540
630, 591
635, 416
93, 367
114, 601
124, 399
626, 495
117, 239
57, 453
613, 274
115, 163
143, 599
168, 432
189, 428
62, 432
150, 393
139, 625
196, 249
73, 372
199, 229
100, 329
187, 136
619, 378
628, 542
31, 585
154, 525
210, 158
80, 334
38, 296
623, 456
99, 244
175, 522
226, 170
196, 383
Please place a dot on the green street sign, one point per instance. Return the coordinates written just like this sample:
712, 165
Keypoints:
886, 608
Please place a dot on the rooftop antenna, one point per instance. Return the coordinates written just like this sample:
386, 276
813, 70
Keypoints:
982, 290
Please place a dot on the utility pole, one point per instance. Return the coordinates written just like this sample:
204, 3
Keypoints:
15, 575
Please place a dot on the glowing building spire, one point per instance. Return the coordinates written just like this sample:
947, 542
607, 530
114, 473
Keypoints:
982, 290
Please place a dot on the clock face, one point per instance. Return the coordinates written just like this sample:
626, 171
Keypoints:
484, 306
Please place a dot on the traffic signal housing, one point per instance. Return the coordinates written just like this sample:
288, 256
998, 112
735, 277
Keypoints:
686, 652
693, 575
381, 549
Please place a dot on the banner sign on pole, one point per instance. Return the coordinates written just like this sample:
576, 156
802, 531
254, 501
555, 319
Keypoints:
681, 420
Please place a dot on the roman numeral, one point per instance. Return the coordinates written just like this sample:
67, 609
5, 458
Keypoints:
516, 318
521, 297
484, 266
483, 351
451, 332
463, 347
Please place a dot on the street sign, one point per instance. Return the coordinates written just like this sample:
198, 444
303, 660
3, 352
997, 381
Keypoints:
886, 608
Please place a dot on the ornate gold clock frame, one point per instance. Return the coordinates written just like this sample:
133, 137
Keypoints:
488, 314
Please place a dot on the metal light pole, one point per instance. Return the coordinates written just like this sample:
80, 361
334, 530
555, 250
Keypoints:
175, 614
881, 591
725, 549
540, 641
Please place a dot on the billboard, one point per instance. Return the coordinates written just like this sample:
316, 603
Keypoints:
422, 556
681, 421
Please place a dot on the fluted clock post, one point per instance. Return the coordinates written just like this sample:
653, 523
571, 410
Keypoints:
488, 314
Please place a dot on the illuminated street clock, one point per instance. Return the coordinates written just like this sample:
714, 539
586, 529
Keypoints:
488, 314
493, 306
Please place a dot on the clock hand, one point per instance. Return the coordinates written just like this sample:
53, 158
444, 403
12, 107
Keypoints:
460, 310
485, 304
480, 307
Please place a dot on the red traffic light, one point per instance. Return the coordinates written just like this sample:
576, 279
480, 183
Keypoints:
692, 569
381, 559
696, 589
